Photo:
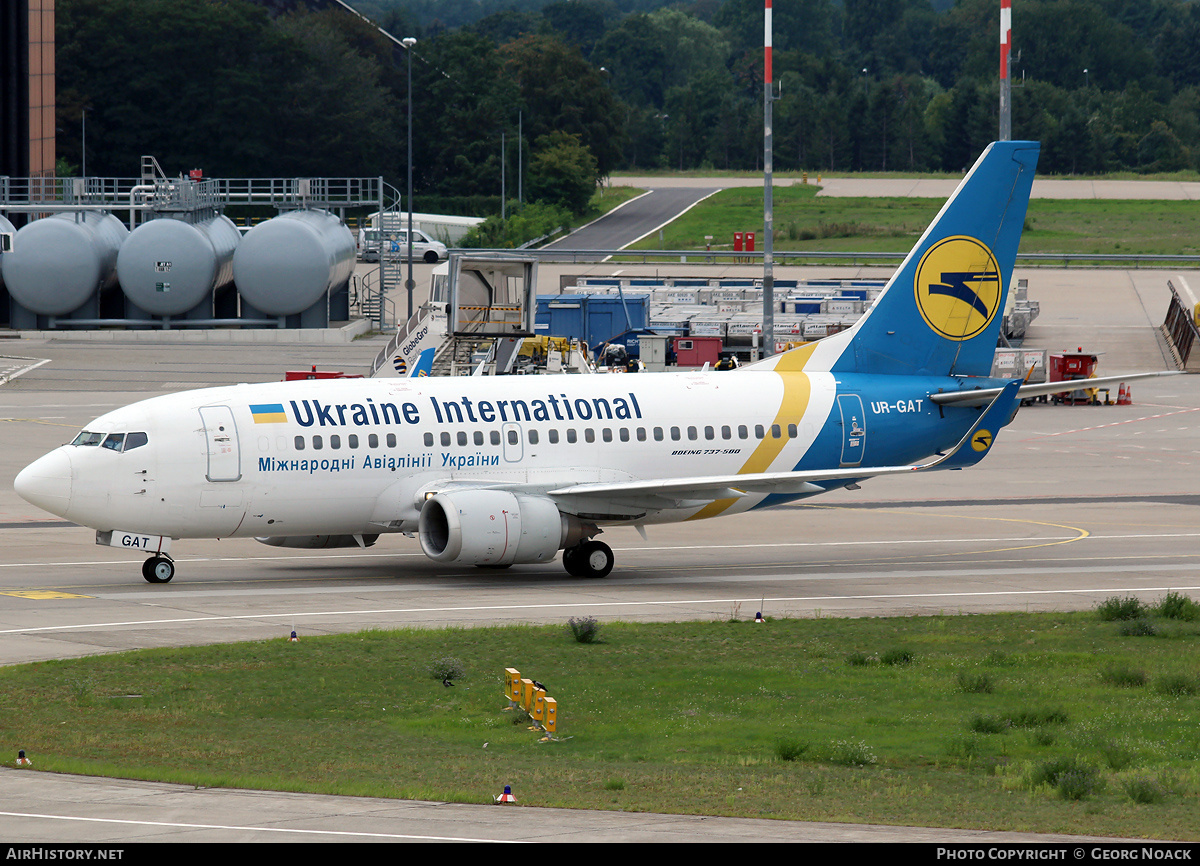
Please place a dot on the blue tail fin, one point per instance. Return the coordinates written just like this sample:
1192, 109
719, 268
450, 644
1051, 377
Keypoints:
941, 311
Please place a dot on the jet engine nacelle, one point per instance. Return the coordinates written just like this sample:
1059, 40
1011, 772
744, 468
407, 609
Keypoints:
319, 542
495, 527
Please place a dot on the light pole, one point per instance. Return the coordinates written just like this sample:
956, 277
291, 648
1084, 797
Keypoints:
409, 284
83, 146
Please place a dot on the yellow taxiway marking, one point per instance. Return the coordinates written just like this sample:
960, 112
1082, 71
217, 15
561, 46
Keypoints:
41, 593
1033, 542
39, 421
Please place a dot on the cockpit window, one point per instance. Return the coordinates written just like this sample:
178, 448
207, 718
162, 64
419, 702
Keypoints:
112, 441
87, 438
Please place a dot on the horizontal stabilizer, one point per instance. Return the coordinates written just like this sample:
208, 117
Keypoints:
979, 439
983, 396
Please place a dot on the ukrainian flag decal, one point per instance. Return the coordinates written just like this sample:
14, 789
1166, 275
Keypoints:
268, 413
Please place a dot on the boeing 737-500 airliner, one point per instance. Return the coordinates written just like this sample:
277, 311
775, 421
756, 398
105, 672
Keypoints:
495, 471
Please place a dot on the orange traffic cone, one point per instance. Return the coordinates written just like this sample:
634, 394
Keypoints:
1123, 396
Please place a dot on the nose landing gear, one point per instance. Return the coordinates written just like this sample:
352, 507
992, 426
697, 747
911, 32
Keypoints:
158, 569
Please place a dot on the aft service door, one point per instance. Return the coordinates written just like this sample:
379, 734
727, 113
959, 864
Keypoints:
220, 437
854, 429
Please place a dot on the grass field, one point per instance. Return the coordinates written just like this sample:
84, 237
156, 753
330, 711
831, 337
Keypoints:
1034, 722
804, 221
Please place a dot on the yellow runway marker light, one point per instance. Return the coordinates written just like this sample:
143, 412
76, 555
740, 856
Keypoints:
512, 687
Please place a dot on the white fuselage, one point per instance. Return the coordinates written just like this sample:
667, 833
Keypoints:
360, 456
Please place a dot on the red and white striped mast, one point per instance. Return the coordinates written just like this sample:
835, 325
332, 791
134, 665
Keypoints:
768, 323
1005, 80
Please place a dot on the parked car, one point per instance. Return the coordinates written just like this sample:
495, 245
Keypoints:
395, 246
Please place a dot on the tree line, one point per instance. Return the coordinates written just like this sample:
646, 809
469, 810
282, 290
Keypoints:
578, 89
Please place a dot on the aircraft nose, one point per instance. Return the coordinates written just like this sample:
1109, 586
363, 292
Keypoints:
46, 482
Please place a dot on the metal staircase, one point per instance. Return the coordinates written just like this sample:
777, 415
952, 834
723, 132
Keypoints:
386, 282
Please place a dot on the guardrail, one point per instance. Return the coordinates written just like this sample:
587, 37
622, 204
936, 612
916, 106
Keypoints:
1066, 260
35, 194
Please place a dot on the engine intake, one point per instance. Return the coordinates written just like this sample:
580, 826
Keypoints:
496, 527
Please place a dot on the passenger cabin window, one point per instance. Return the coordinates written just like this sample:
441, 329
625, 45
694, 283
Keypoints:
299, 442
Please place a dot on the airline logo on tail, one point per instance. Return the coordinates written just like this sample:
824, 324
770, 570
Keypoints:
958, 287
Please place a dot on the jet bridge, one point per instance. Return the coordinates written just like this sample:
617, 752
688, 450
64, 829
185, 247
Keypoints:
492, 296
480, 301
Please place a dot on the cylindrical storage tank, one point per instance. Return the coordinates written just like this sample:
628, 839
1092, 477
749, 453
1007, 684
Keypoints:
285, 265
59, 262
167, 266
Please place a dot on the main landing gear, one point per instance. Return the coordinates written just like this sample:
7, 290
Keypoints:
158, 569
589, 559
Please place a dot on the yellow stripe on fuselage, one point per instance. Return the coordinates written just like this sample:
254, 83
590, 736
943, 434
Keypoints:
797, 389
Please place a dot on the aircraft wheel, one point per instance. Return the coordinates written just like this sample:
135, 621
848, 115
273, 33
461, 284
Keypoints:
571, 561
590, 559
158, 569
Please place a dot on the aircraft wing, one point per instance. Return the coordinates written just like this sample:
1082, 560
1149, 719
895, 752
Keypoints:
700, 490
983, 396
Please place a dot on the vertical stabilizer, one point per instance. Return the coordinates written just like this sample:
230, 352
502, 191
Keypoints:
941, 312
